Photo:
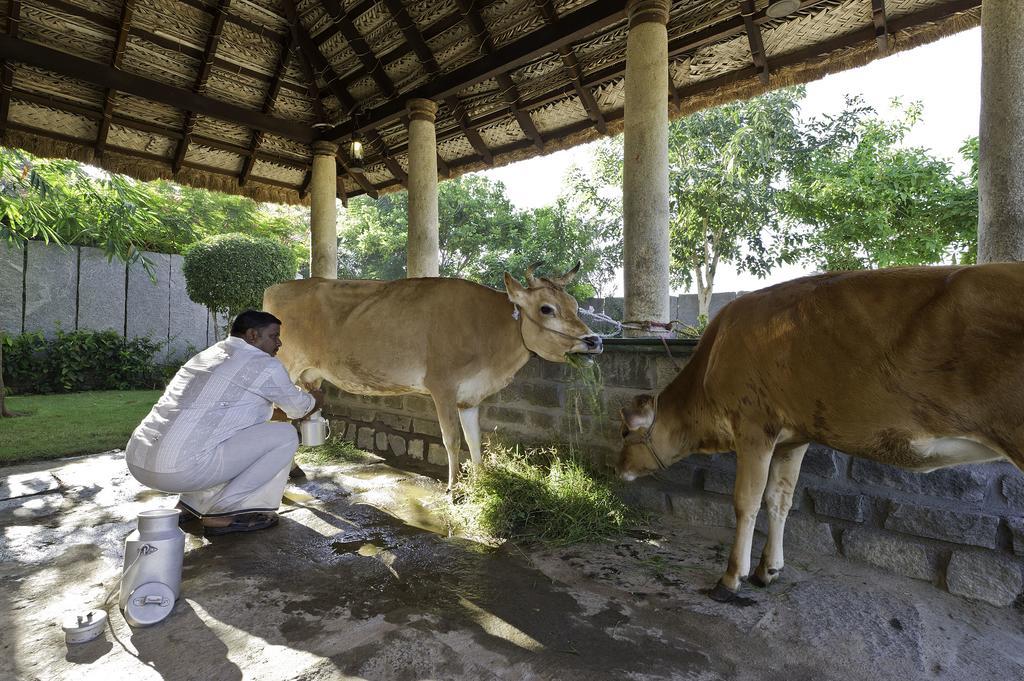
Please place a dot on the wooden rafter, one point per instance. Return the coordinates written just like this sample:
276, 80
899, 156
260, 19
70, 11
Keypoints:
115, 62
88, 71
881, 29
572, 68
359, 46
163, 41
310, 59
754, 39
268, 105
426, 57
509, 90
318, 62
212, 42
7, 68
569, 28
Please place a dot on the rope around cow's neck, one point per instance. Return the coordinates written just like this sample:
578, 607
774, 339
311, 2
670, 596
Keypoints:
646, 439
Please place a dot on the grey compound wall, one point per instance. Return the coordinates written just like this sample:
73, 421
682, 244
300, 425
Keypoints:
44, 288
959, 528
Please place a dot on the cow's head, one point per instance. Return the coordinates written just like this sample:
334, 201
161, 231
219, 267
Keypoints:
647, 445
551, 325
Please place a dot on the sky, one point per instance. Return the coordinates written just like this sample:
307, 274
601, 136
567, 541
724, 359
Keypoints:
945, 76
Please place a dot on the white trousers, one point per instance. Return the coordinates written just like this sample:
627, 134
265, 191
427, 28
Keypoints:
248, 472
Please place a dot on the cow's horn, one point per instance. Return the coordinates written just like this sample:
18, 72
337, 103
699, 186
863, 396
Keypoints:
568, 276
530, 279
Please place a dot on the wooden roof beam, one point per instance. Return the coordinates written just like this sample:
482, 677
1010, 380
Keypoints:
881, 29
572, 67
162, 41
120, 42
212, 42
100, 75
754, 38
360, 178
268, 105
359, 45
573, 26
6, 66
321, 116
509, 90
423, 52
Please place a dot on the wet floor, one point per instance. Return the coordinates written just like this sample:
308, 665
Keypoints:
360, 580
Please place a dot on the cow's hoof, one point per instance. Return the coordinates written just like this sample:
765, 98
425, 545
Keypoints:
296, 473
722, 593
762, 581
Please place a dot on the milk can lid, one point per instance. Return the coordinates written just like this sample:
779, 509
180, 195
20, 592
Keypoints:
148, 604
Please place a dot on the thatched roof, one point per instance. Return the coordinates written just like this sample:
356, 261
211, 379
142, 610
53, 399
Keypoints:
227, 94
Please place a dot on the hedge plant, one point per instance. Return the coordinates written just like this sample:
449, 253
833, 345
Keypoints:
80, 360
228, 272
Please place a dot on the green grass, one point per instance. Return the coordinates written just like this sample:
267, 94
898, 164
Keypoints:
52, 426
334, 450
537, 495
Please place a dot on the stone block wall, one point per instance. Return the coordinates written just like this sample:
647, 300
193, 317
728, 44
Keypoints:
44, 288
960, 528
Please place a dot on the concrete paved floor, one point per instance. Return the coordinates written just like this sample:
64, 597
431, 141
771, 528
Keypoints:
359, 582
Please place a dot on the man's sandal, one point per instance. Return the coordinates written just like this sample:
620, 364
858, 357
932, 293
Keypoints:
243, 522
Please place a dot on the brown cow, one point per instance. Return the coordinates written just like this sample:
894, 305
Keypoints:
452, 339
915, 367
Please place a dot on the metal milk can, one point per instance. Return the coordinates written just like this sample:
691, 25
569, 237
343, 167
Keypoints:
314, 430
151, 580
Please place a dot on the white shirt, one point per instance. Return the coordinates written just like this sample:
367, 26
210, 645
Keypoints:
227, 387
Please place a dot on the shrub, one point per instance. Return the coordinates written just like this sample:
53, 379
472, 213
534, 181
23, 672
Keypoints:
229, 272
80, 360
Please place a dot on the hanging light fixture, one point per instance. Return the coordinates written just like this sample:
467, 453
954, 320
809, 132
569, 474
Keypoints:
781, 8
355, 153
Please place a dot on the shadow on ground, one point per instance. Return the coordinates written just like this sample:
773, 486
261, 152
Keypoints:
360, 581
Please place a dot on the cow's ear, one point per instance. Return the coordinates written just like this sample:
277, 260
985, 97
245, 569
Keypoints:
640, 414
516, 291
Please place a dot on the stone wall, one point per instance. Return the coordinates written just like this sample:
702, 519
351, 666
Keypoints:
960, 528
44, 288
683, 307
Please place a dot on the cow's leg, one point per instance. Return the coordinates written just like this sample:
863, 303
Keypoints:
448, 417
778, 498
752, 463
470, 417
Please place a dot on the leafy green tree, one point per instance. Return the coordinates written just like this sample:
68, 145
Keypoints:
725, 167
229, 272
58, 201
481, 235
859, 198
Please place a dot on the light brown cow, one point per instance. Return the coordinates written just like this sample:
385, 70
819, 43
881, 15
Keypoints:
452, 339
914, 367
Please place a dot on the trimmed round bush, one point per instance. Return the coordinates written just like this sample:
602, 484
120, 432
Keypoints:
229, 272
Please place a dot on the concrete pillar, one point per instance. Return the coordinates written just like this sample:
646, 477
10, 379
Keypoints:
1001, 133
423, 253
645, 166
323, 211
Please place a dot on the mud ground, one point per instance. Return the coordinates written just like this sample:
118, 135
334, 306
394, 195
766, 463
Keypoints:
360, 581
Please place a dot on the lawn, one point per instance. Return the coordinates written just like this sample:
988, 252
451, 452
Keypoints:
52, 426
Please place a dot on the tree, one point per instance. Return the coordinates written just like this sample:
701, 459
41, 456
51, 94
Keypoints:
858, 198
58, 201
482, 235
725, 166
229, 272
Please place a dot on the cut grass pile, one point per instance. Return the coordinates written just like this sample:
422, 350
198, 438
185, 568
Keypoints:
52, 426
334, 450
538, 495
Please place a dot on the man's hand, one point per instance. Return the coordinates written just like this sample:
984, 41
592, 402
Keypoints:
318, 396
